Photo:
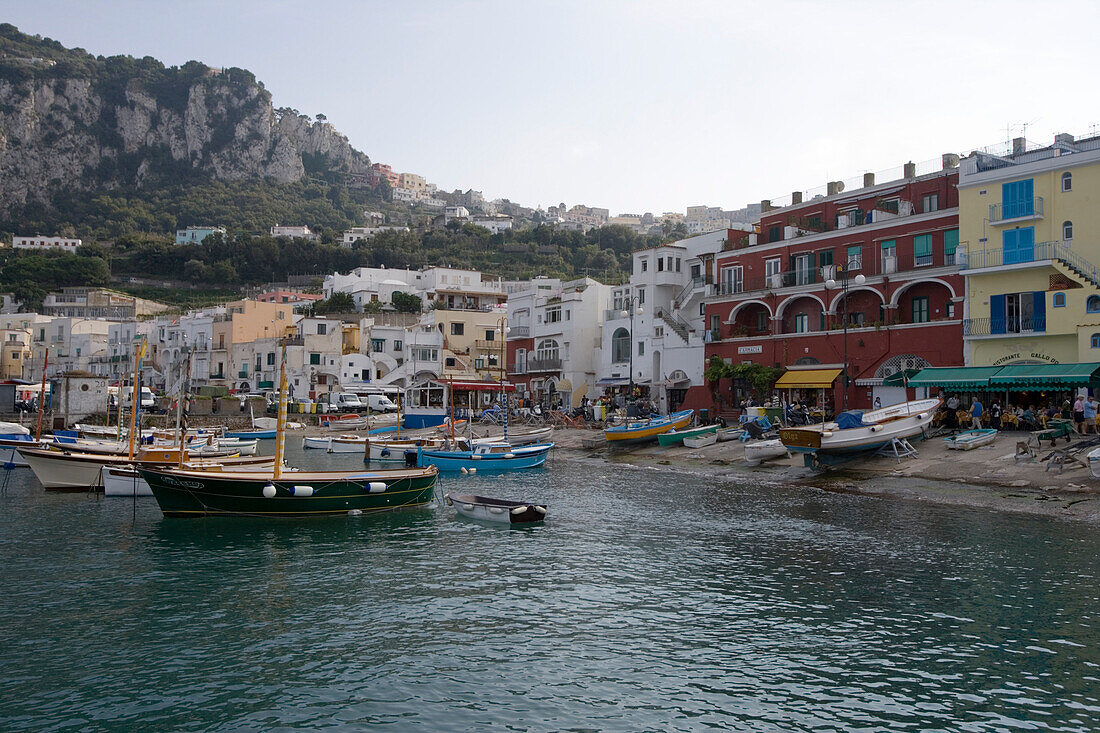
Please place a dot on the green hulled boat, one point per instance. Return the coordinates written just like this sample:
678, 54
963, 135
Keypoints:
182, 493
676, 437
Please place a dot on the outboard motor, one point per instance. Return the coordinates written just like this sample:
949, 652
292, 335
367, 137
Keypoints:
410, 459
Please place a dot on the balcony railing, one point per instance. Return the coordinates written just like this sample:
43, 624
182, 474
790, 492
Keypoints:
543, 365
520, 368
488, 345
519, 332
1004, 326
1039, 252
1016, 209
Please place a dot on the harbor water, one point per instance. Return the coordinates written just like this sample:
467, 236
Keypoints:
649, 600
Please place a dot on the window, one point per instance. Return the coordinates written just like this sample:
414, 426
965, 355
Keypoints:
259, 363
856, 319
670, 263
761, 321
1059, 300
620, 345
677, 264
322, 329
450, 361
825, 257
548, 349
950, 309
920, 309
950, 244
641, 348
1092, 305
775, 234
930, 202
733, 280
715, 322
660, 264
645, 264
1067, 230
641, 296
702, 308
271, 357
801, 323
855, 257
889, 256
479, 363
922, 250
696, 272
1067, 185
424, 354
1095, 343
553, 315
378, 345
396, 345
458, 329
314, 358
1017, 199
490, 334
1018, 245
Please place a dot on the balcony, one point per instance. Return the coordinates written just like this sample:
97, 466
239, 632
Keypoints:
1039, 253
1016, 210
1004, 326
520, 368
243, 374
488, 345
543, 365
519, 332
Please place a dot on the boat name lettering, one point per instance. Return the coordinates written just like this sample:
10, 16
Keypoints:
181, 482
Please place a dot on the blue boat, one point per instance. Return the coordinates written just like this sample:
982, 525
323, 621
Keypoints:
485, 457
251, 434
643, 431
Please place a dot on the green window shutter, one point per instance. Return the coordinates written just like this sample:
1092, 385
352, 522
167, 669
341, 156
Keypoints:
855, 253
922, 245
888, 243
950, 241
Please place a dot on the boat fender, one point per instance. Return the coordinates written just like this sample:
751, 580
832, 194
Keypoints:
300, 490
385, 452
468, 507
826, 434
449, 501
540, 509
874, 428
475, 457
269, 490
509, 455
473, 470
498, 510
376, 487
465, 470
519, 510
920, 415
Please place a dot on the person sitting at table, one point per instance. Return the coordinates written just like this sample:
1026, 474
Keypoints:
1028, 421
1067, 411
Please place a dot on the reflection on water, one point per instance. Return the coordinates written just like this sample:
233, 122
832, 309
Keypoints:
649, 600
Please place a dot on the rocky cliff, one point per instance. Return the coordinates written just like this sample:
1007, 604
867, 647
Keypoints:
69, 120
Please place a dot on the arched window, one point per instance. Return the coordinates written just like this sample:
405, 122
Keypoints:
620, 346
1096, 341
1059, 300
1092, 305
1067, 181
548, 349
1067, 230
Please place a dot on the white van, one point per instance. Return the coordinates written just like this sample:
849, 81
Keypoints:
381, 403
148, 400
346, 402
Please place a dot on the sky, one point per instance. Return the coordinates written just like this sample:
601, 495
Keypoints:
632, 106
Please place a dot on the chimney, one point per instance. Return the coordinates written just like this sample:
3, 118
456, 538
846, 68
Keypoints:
796, 197
1019, 145
868, 180
1064, 138
765, 206
950, 160
909, 170
834, 187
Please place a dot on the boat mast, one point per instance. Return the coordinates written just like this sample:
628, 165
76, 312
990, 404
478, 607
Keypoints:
180, 428
137, 396
42, 395
280, 421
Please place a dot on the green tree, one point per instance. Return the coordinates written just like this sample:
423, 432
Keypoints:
336, 303
406, 303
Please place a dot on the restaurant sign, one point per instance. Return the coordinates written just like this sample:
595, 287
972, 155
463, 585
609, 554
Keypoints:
754, 349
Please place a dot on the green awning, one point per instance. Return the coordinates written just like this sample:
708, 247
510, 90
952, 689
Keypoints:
900, 378
266, 385
1055, 376
974, 378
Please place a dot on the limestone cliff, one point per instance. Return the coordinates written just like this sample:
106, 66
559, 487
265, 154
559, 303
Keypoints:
69, 120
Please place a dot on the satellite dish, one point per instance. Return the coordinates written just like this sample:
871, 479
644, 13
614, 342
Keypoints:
839, 186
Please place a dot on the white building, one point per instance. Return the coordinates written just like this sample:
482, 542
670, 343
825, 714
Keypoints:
453, 288
353, 235
69, 244
495, 224
294, 232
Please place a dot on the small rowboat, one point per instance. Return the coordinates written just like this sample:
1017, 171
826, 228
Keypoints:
725, 434
761, 450
677, 436
971, 439
496, 510
701, 441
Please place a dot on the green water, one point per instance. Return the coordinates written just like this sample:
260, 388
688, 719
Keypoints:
648, 601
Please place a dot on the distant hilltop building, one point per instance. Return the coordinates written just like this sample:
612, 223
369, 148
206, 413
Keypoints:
40, 242
294, 232
196, 235
80, 302
353, 235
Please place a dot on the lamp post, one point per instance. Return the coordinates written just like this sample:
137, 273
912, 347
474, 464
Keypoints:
843, 284
502, 326
633, 305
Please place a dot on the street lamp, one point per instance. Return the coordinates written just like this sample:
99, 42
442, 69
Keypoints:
502, 326
843, 284
633, 305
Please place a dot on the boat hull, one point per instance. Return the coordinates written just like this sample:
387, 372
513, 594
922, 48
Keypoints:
905, 420
971, 439
701, 441
678, 436
251, 434
198, 494
646, 431
500, 511
763, 450
123, 481
530, 456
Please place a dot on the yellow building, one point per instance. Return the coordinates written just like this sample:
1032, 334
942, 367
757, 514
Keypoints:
245, 321
1029, 241
15, 351
472, 342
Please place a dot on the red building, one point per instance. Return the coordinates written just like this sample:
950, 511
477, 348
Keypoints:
774, 307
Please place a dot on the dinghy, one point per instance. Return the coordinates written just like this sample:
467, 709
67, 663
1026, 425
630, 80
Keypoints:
701, 441
677, 436
725, 434
496, 510
485, 457
757, 451
971, 439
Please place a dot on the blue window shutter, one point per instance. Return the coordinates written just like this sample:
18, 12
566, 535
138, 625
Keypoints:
1039, 310
1025, 243
997, 314
1009, 239
950, 241
922, 245
888, 243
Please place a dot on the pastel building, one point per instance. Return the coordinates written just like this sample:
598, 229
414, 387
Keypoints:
1029, 227
196, 235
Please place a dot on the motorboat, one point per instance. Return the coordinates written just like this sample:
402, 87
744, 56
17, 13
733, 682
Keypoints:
485, 457
757, 451
856, 432
970, 439
643, 431
676, 437
523, 436
701, 441
394, 450
190, 493
496, 510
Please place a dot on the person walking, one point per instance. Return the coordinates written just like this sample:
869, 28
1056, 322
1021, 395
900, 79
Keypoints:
976, 414
1090, 414
952, 412
995, 415
1079, 414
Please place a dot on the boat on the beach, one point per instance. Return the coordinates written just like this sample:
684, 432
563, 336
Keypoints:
970, 439
757, 451
701, 441
188, 493
677, 436
725, 434
642, 431
1093, 458
496, 510
345, 422
485, 457
856, 432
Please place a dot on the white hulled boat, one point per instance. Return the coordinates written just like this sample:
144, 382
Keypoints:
853, 432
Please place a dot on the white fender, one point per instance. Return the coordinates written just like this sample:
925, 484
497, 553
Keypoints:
468, 507
519, 510
476, 457
269, 490
509, 455
465, 470
376, 487
497, 510
299, 490
473, 470
540, 509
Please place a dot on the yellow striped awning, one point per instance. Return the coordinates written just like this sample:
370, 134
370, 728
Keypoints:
808, 378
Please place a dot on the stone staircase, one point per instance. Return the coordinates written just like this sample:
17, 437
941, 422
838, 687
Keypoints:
679, 328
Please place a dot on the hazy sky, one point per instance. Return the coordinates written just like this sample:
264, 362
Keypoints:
635, 106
